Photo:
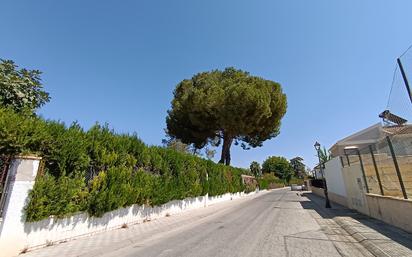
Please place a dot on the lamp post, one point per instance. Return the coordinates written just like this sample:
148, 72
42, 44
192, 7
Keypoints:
325, 187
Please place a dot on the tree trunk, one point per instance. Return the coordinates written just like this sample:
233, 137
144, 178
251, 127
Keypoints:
228, 154
225, 156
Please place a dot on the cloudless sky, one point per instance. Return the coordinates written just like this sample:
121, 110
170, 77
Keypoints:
119, 61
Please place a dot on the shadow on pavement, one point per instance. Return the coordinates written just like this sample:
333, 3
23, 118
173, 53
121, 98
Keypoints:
372, 229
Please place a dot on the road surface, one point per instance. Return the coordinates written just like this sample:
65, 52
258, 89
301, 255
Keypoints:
277, 223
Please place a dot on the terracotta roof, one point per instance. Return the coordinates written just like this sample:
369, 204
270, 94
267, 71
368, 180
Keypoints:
398, 129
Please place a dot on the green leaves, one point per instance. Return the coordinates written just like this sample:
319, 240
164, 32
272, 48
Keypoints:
270, 181
298, 166
255, 168
324, 155
229, 104
99, 171
21, 89
279, 166
56, 197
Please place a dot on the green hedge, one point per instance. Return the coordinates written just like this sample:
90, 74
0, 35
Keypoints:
99, 170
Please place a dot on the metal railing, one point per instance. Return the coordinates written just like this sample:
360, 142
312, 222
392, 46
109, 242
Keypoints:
4, 168
317, 183
386, 166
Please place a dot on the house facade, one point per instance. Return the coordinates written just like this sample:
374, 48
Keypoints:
371, 172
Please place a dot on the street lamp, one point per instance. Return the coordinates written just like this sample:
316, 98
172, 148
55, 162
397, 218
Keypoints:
325, 187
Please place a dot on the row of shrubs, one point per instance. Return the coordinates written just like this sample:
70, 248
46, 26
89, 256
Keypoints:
270, 181
99, 170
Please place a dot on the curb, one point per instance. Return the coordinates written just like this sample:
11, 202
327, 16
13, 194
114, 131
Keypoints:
357, 231
360, 238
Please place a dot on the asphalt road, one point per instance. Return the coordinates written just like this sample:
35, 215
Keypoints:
277, 223
274, 224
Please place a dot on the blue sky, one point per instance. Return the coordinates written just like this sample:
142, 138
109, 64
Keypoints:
119, 61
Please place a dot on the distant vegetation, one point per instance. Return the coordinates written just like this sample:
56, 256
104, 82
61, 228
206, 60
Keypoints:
224, 108
279, 166
278, 171
97, 170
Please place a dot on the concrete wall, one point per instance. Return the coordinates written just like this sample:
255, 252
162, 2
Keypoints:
334, 177
21, 176
318, 191
392, 210
55, 230
332, 196
335, 182
355, 188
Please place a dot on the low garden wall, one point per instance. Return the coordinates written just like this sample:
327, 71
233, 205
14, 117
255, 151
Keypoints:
392, 210
332, 196
51, 230
18, 234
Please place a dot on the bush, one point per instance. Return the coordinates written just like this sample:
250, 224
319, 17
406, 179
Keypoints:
297, 181
280, 166
99, 171
58, 197
270, 181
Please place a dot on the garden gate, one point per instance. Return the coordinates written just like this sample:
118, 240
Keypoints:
4, 168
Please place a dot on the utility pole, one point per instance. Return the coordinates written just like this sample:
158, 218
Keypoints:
405, 79
325, 186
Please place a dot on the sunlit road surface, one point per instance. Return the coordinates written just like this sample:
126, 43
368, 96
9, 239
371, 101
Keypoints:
277, 223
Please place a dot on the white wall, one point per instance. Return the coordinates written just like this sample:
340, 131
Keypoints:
334, 177
21, 176
16, 234
55, 230
356, 188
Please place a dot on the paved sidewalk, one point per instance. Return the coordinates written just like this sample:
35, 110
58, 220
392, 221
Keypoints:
377, 237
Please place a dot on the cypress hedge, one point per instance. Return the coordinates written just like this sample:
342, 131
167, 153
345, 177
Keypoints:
98, 170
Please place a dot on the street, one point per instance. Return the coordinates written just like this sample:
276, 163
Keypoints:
276, 223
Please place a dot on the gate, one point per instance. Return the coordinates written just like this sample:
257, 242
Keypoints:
4, 168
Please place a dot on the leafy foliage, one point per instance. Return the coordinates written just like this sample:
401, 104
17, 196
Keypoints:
280, 166
230, 106
210, 153
297, 181
298, 166
98, 170
177, 145
270, 181
324, 155
21, 89
57, 197
255, 169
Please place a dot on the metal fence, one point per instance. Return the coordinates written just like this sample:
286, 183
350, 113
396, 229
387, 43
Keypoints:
386, 166
317, 183
4, 168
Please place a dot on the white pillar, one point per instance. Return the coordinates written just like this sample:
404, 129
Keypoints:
21, 177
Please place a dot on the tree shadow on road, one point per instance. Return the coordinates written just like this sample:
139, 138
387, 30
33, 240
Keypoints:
356, 221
